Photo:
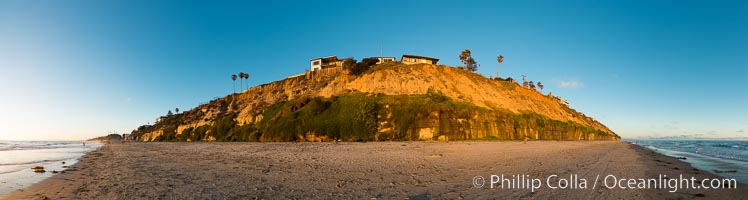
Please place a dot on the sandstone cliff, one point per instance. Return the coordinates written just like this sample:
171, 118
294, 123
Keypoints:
390, 102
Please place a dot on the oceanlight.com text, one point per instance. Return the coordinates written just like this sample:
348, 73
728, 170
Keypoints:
574, 181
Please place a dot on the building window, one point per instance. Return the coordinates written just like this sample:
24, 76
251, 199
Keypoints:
315, 63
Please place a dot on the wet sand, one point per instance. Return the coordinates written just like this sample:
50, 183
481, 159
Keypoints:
382, 170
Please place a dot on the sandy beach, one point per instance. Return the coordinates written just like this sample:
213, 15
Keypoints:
381, 170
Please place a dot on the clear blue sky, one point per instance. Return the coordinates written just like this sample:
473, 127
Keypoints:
78, 69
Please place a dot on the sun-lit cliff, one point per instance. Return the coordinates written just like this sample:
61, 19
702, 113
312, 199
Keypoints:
390, 101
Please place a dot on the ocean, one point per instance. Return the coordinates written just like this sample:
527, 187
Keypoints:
720, 157
18, 157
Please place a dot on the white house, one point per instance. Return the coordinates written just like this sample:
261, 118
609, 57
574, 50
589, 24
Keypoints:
326, 62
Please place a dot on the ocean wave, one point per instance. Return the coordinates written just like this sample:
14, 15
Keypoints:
36, 161
32, 145
731, 150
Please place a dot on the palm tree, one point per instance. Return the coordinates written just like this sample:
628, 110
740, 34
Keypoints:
246, 76
500, 59
233, 78
241, 80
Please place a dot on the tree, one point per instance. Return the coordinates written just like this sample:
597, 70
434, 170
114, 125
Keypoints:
233, 79
246, 80
241, 81
464, 55
169, 113
363, 66
349, 63
244, 76
540, 85
524, 82
471, 64
532, 85
467, 60
176, 110
499, 59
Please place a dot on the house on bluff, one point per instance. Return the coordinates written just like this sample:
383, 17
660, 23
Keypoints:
381, 60
317, 64
326, 62
414, 59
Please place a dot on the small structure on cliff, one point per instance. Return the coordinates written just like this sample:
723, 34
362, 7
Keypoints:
559, 99
381, 60
414, 59
159, 118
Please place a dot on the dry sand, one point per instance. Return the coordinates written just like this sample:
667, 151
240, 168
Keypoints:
383, 170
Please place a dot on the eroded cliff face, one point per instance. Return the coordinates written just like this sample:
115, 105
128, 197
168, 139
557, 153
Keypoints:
248, 105
460, 85
502, 101
447, 125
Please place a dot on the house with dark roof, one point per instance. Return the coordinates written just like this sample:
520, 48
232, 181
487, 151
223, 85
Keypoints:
327, 62
414, 59
323, 62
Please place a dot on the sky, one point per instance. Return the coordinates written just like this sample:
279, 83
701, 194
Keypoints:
73, 70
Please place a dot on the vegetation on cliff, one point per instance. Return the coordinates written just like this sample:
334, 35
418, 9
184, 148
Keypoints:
385, 102
371, 117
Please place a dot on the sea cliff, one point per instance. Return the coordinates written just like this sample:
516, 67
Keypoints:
390, 101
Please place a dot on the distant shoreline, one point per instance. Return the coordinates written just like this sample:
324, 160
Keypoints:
360, 170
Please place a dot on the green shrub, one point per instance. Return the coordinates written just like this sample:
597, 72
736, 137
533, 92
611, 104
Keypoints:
200, 132
168, 135
221, 129
186, 134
